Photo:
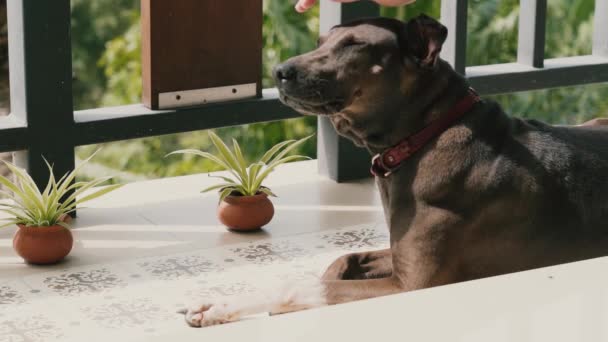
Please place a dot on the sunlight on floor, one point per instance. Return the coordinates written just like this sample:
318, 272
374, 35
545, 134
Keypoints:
154, 228
112, 244
6, 260
328, 208
117, 299
156, 237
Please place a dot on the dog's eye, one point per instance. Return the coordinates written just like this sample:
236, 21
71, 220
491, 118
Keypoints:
351, 42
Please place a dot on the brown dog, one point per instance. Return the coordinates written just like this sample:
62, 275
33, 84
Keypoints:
468, 191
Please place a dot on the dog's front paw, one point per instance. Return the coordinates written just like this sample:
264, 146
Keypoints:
208, 314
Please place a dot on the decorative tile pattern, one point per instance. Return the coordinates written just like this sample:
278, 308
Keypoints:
178, 267
9, 295
83, 282
30, 329
126, 314
221, 290
139, 297
297, 275
270, 252
359, 238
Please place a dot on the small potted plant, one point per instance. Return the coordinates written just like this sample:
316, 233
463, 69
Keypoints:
43, 236
244, 204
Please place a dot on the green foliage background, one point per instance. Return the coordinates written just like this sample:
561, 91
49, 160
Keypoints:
106, 57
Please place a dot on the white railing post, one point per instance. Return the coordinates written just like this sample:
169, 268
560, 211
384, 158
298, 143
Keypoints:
531, 39
454, 17
600, 33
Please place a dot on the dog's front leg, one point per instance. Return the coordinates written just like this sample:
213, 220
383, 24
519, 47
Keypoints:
223, 311
363, 265
343, 291
335, 292
291, 297
295, 297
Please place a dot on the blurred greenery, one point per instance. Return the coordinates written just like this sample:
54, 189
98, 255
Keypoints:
492, 38
106, 55
98, 27
107, 67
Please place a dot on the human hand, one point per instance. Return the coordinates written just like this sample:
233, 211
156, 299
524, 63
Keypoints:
304, 5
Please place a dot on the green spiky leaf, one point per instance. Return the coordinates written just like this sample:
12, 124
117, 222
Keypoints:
218, 186
31, 207
225, 193
248, 179
267, 191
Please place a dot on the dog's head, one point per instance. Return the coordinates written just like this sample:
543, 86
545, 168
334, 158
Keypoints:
361, 67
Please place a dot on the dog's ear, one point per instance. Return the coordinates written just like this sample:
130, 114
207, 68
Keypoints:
424, 38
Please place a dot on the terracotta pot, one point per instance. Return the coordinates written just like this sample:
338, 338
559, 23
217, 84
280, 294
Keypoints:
245, 213
43, 245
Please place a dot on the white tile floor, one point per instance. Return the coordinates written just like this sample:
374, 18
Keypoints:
141, 252
150, 247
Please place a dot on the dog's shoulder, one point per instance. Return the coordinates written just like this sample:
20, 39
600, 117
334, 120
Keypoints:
466, 152
562, 144
564, 162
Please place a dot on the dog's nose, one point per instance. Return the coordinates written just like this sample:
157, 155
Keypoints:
285, 72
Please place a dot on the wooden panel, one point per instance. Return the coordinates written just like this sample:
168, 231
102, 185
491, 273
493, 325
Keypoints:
199, 44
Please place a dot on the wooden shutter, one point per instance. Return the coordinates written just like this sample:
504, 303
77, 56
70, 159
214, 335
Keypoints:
200, 51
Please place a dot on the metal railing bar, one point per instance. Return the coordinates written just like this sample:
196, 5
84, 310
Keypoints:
41, 81
136, 121
11, 121
490, 79
13, 133
332, 13
558, 72
13, 139
454, 17
41, 88
104, 113
339, 158
532, 27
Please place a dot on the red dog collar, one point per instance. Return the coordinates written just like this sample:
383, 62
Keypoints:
385, 163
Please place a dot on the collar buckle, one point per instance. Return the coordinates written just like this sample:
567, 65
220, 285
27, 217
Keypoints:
379, 169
